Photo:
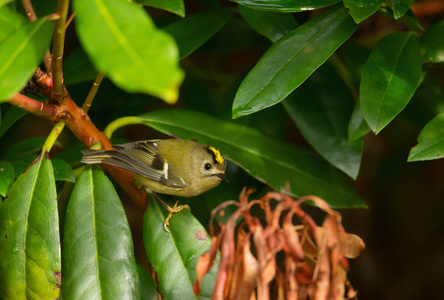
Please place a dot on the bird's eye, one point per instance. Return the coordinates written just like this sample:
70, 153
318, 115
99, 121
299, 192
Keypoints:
207, 166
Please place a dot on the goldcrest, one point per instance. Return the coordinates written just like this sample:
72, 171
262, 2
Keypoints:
174, 167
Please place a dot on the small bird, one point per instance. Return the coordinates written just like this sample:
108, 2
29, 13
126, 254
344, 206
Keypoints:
173, 167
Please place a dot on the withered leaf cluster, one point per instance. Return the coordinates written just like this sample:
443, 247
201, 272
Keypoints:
290, 257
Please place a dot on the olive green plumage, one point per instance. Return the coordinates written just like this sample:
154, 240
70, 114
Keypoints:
174, 167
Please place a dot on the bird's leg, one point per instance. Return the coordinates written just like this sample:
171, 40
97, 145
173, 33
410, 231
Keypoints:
172, 210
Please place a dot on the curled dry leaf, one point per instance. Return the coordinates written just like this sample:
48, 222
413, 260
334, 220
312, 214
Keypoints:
270, 257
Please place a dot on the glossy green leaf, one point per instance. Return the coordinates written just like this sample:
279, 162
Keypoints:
390, 78
123, 42
357, 126
362, 9
270, 24
286, 5
432, 44
190, 33
12, 115
9, 21
6, 177
20, 53
271, 161
78, 68
400, 7
430, 141
175, 6
98, 254
173, 255
321, 108
289, 61
63, 171
29, 230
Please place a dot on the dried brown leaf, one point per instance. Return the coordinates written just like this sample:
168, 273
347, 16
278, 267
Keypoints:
351, 245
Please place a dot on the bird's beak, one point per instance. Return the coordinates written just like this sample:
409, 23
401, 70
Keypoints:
221, 176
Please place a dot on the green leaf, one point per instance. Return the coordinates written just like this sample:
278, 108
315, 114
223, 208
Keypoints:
271, 161
6, 177
289, 61
357, 127
63, 171
190, 33
362, 9
430, 141
3, 2
77, 68
390, 78
286, 5
20, 54
270, 24
25, 147
432, 44
12, 115
9, 21
98, 254
321, 108
30, 246
400, 7
175, 6
173, 255
123, 42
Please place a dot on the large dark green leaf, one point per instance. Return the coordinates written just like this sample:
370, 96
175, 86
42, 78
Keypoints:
362, 9
430, 141
20, 53
9, 21
175, 6
432, 44
270, 24
6, 177
289, 61
148, 290
389, 79
276, 163
173, 255
286, 5
191, 32
30, 246
321, 109
11, 116
63, 171
98, 254
400, 7
123, 42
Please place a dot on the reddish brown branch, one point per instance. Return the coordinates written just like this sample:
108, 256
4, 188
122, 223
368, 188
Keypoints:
80, 124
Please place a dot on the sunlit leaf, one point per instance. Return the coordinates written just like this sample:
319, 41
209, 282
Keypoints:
20, 53
9, 21
30, 246
123, 42
98, 254
289, 61
389, 79
173, 255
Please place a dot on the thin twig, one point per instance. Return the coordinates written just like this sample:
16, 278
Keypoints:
44, 110
57, 51
71, 17
92, 92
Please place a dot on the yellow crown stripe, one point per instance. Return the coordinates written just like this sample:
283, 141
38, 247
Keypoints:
217, 155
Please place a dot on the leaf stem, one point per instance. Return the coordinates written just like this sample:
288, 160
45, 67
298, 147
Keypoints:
114, 125
57, 51
52, 137
92, 92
